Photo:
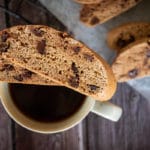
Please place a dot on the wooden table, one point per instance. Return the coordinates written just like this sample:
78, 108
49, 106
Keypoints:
132, 132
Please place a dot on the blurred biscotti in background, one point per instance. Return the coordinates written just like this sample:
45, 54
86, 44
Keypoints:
131, 41
125, 34
133, 61
101, 12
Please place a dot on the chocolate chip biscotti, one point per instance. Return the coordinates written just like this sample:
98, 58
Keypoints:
88, 1
58, 57
15, 74
133, 62
125, 34
99, 13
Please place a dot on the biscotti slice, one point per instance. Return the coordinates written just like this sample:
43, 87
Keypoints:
57, 56
15, 74
133, 62
99, 13
88, 1
125, 34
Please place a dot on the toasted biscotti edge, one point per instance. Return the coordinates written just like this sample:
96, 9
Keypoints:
87, 1
141, 66
121, 36
112, 83
95, 14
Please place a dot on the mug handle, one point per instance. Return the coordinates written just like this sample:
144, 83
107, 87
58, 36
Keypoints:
107, 110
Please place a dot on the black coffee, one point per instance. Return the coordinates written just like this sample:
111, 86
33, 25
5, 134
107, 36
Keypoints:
46, 103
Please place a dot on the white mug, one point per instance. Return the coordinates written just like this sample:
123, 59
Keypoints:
104, 109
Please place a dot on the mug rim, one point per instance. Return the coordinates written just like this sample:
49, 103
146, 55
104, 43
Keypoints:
36, 126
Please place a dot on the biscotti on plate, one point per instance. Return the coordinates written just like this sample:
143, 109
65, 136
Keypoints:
94, 14
123, 35
15, 74
58, 57
133, 62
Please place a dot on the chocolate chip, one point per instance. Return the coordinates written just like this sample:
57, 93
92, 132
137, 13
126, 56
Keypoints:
133, 73
18, 77
93, 87
4, 36
147, 57
74, 81
148, 53
7, 67
94, 20
24, 60
76, 49
60, 72
145, 61
122, 5
131, 39
88, 57
37, 32
24, 44
61, 35
74, 68
27, 74
20, 28
4, 47
122, 43
41, 47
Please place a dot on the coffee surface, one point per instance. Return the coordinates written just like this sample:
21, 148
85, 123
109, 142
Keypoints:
46, 103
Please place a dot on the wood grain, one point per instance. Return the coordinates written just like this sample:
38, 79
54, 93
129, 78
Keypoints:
5, 121
2, 16
68, 140
132, 132
34, 13
5, 130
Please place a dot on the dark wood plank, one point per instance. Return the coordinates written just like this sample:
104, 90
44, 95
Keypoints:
2, 16
34, 13
68, 140
132, 132
5, 130
5, 121
94, 133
